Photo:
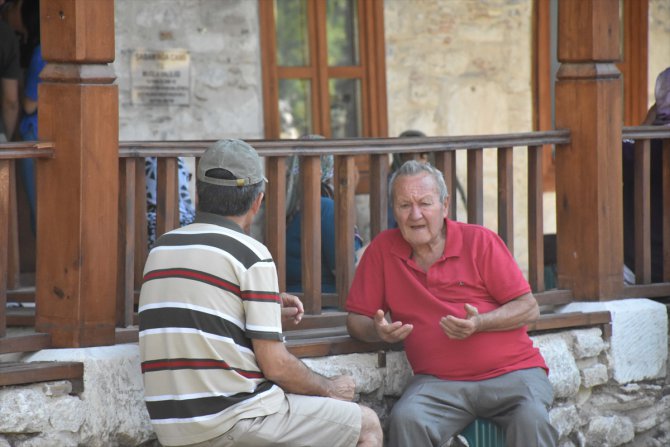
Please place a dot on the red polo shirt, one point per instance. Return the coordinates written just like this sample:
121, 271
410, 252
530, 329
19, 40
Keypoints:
476, 268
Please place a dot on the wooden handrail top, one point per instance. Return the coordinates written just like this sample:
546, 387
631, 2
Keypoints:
349, 146
645, 132
26, 149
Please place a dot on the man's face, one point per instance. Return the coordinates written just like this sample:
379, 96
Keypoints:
417, 208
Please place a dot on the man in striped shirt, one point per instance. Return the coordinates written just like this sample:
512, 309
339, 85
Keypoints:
215, 369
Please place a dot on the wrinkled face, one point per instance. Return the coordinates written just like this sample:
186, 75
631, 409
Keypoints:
418, 210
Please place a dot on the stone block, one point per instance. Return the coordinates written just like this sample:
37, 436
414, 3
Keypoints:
594, 375
587, 342
565, 419
111, 406
639, 342
563, 371
24, 410
610, 431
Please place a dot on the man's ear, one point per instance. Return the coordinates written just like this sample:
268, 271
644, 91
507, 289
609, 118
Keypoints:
446, 206
257, 203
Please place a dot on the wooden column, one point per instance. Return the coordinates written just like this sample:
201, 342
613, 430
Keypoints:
588, 170
78, 189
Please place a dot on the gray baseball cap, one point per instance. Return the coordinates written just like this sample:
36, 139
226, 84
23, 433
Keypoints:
235, 156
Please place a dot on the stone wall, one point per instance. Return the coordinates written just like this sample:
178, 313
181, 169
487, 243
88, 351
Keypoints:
609, 391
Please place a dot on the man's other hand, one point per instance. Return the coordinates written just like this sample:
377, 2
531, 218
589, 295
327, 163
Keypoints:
292, 309
461, 328
342, 388
391, 332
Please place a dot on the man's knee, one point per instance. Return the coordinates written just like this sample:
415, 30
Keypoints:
371, 429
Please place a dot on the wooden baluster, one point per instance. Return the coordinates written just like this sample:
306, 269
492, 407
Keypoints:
642, 213
77, 190
275, 214
345, 219
125, 298
589, 193
14, 250
5, 209
475, 186
445, 161
141, 223
310, 210
506, 196
167, 195
379, 172
535, 219
666, 209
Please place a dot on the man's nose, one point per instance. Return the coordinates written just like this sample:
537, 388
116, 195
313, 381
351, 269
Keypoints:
415, 212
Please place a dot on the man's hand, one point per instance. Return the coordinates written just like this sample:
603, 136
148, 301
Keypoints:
342, 388
461, 328
391, 332
292, 309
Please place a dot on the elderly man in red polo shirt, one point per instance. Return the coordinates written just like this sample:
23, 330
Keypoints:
460, 304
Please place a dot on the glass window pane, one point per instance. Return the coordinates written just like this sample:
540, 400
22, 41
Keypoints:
342, 32
345, 107
295, 108
291, 27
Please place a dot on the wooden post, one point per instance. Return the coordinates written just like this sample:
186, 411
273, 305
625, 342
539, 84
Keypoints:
588, 169
78, 189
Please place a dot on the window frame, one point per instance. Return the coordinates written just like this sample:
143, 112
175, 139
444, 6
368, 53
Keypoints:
371, 69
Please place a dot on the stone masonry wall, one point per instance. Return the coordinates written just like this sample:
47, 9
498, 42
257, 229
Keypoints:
609, 391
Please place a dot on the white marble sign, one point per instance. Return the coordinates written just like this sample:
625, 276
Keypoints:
160, 78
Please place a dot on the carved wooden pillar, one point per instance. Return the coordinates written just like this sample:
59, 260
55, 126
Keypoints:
588, 170
78, 189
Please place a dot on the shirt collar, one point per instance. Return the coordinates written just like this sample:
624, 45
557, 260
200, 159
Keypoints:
452, 246
215, 219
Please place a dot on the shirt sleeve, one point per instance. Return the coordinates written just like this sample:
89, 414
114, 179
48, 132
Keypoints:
500, 271
367, 293
260, 295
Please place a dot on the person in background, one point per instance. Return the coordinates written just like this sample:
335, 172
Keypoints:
25, 16
658, 115
215, 369
10, 73
186, 209
293, 225
459, 302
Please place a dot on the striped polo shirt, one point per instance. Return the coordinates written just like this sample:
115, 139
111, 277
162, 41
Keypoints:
208, 290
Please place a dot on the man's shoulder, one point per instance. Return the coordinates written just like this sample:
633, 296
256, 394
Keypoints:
473, 230
207, 236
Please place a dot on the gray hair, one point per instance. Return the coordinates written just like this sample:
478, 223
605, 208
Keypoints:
413, 167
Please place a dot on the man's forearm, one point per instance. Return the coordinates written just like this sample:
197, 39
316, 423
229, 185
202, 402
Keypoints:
10, 106
287, 371
512, 315
362, 328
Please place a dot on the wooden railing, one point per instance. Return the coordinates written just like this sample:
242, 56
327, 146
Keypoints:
642, 136
323, 331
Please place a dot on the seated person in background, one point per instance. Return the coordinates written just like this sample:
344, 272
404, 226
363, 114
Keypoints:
658, 115
293, 226
460, 303
186, 210
216, 371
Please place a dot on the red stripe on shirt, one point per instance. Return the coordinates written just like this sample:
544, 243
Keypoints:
192, 274
158, 365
